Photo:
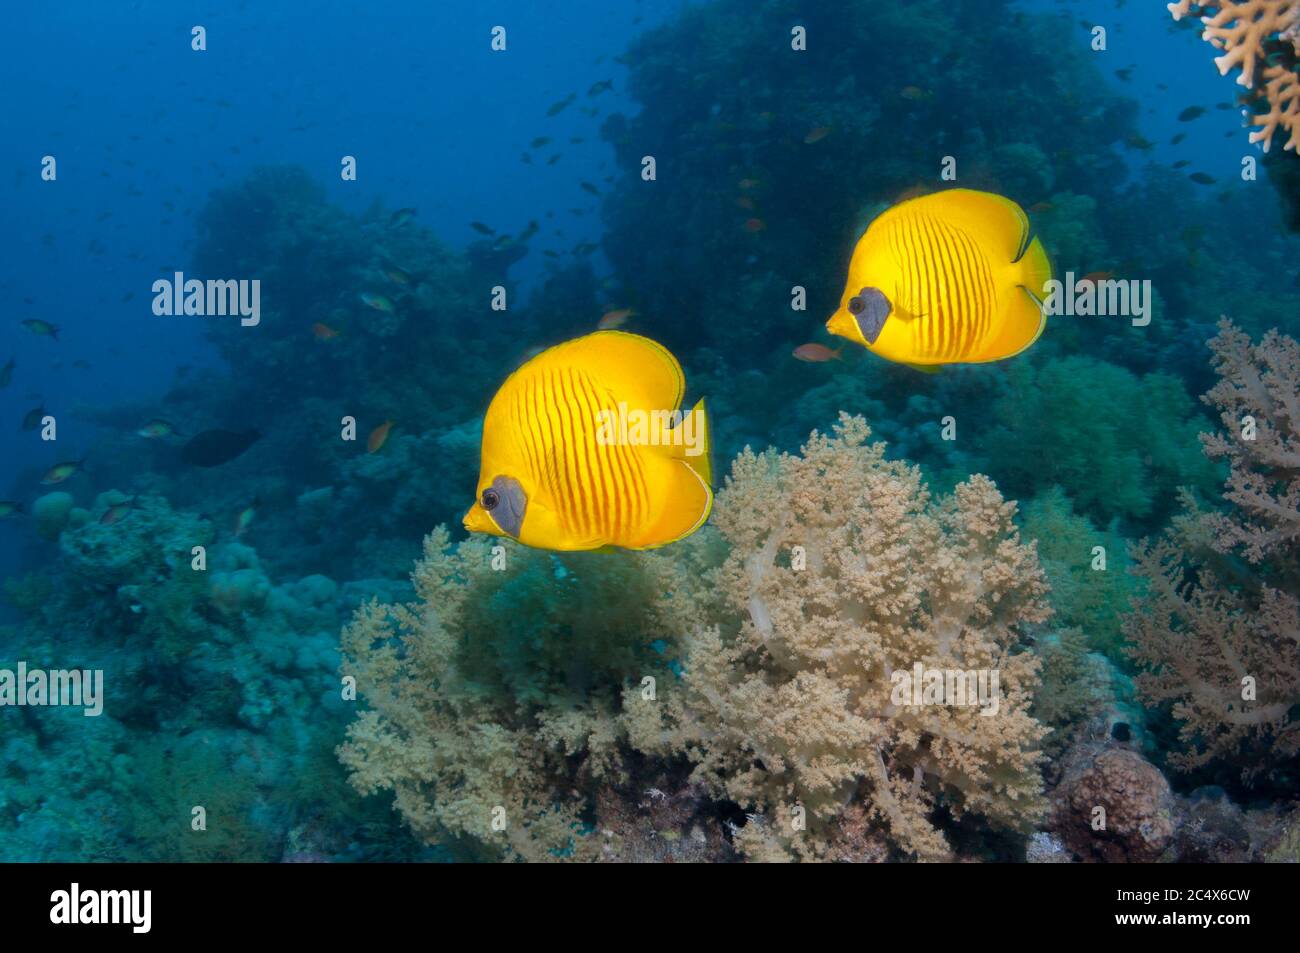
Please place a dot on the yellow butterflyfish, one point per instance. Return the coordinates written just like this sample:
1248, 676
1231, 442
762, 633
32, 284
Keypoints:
953, 277
586, 446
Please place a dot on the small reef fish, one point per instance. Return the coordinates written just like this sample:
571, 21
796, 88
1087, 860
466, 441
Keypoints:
61, 472
41, 328
117, 512
323, 332
585, 446
614, 319
397, 276
559, 107
589, 187
244, 519
378, 302
1093, 277
212, 448
401, 217
816, 353
9, 509
817, 135
7, 373
745, 202
378, 437
949, 278
482, 229
755, 224
599, 87
1190, 113
914, 93
32, 419
748, 184
539, 142
1202, 178
156, 429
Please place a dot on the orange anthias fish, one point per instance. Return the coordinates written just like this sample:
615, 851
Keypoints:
117, 512
816, 353
378, 437
745, 202
817, 135
755, 225
614, 319
323, 332
1093, 277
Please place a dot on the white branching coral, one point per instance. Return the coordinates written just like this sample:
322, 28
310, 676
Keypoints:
1241, 28
844, 576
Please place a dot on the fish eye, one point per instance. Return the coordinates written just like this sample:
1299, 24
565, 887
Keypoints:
857, 305
490, 499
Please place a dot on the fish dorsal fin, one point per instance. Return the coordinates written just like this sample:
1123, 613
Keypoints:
638, 370
995, 222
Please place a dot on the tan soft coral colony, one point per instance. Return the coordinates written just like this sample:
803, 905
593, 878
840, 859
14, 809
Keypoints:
843, 571
1240, 28
775, 668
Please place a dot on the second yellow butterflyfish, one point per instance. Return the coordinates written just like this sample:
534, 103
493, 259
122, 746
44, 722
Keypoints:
949, 278
586, 446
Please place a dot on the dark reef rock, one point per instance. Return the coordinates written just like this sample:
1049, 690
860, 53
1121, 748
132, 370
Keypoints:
1139, 807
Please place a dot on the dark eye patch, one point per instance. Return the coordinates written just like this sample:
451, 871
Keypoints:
870, 308
511, 503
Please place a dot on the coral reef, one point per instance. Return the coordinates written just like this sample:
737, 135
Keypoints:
1258, 399
1071, 422
1090, 589
494, 698
1242, 30
219, 692
1113, 805
1222, 648
796, 707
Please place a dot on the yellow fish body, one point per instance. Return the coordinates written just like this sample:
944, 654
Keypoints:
949, 278
580, 450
